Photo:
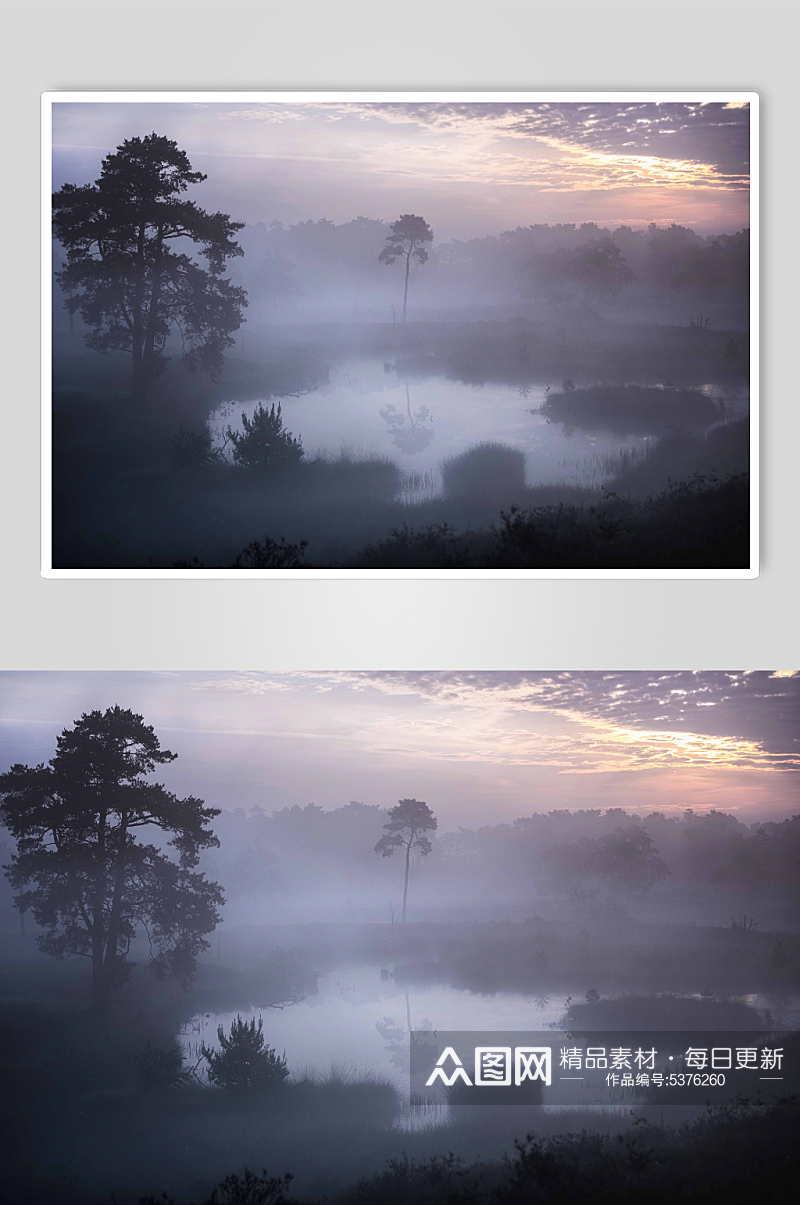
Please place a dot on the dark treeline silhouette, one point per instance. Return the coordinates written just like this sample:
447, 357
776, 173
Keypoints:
303, 860
305, 271
302, 269
740, 1150
298, 855
688, 524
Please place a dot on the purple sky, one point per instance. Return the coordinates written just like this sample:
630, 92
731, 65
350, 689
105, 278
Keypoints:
471, 169
480, 747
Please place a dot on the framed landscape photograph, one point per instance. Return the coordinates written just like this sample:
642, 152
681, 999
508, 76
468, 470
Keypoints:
265, 937
400, 334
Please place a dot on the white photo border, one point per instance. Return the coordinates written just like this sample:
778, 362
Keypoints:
49, 99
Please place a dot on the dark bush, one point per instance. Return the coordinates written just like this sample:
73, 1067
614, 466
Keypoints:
245, 1063
630, 409
488, 470
264, 443
437, 546
695, 524
701, 523
349, 476
191, 448
249, 1189
269, 554
734, 1152
161, 1068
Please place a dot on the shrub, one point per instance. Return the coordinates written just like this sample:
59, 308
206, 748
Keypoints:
191, 449
245, 1063
697, 523
249, 1189
271, 555
780, 954
264, 443
353, 476
488, 470
437, 1180
664, 1010
194, 563
438, 545
161, 1068
735, 1152
630, 409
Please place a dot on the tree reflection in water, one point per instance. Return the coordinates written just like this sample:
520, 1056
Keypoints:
413, 437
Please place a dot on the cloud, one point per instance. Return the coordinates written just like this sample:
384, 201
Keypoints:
597, 146
483, 745
711, 133
249, 684
477, 167
573, 169
629, 721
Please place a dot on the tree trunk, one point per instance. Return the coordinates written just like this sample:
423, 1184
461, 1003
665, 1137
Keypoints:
112, 940
137, 337
138, 372
152, 311
405, 292
99, 990
405, 885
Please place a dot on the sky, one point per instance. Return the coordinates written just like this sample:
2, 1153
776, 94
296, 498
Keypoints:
478, 747
471, 169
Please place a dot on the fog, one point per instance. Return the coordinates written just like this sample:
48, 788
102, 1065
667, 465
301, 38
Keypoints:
525, 382
552, 910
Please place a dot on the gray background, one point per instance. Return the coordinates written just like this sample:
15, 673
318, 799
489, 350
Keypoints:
393, 44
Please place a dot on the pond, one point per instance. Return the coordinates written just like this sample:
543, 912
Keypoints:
367, 409
359, 1019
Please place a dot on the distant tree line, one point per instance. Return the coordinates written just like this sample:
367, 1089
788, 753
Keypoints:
303, 851
84, 853
127, 245
558, 265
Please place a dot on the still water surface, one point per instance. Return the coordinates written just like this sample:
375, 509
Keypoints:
368, 409
359, 1021
349, 1021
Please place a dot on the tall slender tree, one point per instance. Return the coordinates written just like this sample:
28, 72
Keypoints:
407, 822
127, 274
407, 242
79, 867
